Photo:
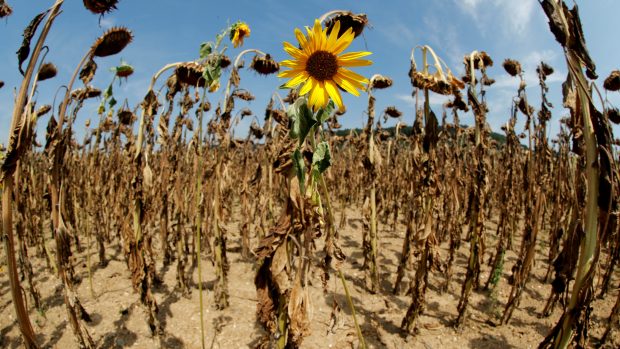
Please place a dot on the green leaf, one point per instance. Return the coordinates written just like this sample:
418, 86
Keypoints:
300, 169
205, 49
324, 113
322, 158
112, 102
302, 120
108, 92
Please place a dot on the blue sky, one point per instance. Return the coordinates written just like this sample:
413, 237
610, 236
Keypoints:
165, 33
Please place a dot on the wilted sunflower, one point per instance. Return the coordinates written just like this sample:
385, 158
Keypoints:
238, 32
319, 63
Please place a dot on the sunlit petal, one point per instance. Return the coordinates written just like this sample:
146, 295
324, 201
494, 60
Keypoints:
333, 92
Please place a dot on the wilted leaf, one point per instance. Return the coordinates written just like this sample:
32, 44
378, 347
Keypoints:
31, 29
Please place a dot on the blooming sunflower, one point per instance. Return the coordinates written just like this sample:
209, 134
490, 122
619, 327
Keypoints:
319, 64
238, 32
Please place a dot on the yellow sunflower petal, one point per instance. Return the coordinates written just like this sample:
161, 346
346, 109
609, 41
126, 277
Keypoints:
318, 35
333, 92
353, 55
294, 63
292, 50
346, 85
290, 73
308, 86
318, 96
297, 80
333, 36
343, 42
354, 63
351, 75
301, 38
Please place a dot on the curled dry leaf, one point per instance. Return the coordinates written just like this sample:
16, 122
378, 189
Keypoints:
29, 31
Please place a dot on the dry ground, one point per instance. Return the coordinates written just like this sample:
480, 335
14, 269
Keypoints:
119, 321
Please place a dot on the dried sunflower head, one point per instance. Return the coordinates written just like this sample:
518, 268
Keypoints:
47, 71
100, 7
612, 83
380, 81
614, 115
512, 67
126, 116
256, 130
5, 9
545, 69
112, 42
224, 61
393, 112
243, 94
1, 84
348, 20
190, 74
238, 32
481, 60
85, 93
265, 65
429, 81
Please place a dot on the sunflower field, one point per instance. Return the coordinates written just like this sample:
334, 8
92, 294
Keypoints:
160, 227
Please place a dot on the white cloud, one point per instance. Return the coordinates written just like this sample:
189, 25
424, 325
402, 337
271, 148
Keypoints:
434, 99
514, 16
107, 22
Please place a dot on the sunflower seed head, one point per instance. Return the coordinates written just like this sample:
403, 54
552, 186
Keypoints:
100, 7
190, 74
264, 65
393, 112
112, 42
47, 71
614, 115
512, 67
357, 22
380, 82
612, 83
5, 10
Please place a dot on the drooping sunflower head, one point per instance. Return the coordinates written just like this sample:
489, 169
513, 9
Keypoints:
112, 42
321, 66
238, 32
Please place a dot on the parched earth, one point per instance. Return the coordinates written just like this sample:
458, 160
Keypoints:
118, 321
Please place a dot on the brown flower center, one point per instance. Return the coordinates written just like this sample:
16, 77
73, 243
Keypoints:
322, 65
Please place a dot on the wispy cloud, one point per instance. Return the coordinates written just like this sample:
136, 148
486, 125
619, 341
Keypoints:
513, 16
107, 22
